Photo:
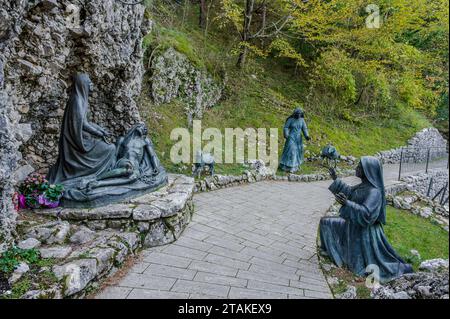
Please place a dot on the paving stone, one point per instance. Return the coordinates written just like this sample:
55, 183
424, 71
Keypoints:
272, 271
213, 268
201, 288
244, 293
114, 293
220, 280
146, 281
169, 271
140, 267
181, 251
262, 277
224, 243
226, 261
169, 260
193, 243
156, 294
264, 286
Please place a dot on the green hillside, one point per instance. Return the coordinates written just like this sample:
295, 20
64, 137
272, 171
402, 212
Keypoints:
263, 94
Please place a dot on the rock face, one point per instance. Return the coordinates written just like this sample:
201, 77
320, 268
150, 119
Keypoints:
417, 148
44, 42
174, 76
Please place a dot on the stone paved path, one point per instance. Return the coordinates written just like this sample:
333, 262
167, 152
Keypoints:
253, 241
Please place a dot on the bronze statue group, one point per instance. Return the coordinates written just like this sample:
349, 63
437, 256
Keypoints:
355, 239
95, 173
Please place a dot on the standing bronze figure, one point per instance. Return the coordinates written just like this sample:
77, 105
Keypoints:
294, 130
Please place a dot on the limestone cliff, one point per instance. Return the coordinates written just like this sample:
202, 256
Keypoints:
172, 76
44, 42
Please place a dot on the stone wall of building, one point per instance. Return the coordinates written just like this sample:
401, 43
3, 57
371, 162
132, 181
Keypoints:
417, 148
42, 44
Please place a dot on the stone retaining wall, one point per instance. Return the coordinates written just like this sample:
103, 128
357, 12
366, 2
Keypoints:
260, 173
160, 217
420, 183
87, 244
417, 148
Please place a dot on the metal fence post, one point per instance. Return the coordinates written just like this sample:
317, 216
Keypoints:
400, 168
428, 160
430, 186
443, 194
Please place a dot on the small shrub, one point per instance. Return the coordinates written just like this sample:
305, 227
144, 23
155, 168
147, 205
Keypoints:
11, 258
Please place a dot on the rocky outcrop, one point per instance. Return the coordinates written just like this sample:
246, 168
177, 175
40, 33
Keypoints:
44, 42
430, 283
422, 206
174, 76
417, 148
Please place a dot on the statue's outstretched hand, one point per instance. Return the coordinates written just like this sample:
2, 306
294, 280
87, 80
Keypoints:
341, 199
333, 173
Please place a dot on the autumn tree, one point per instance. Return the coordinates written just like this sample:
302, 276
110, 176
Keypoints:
259, 25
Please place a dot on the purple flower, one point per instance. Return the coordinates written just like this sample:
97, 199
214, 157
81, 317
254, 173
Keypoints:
22, 202
50, 204
41, 199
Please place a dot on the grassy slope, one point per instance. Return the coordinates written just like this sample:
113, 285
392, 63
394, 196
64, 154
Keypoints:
262, 97
407, 232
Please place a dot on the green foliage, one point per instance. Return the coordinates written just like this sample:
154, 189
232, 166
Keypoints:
163, 38
12, 257
370, 69
265, 93
406, 232
20, 288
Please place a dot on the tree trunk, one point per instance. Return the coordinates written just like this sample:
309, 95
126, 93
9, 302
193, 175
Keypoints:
242, 58
203, 14
248, 14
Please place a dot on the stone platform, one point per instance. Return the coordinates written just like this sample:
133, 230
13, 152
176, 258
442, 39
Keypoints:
160, 217
82, 246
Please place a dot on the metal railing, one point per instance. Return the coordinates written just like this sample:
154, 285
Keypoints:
440, 194
415, 159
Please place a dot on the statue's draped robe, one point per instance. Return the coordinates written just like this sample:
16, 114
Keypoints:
292, 156
81, 155
356, 239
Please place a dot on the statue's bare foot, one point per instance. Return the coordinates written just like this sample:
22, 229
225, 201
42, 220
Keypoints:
91, 185
83, 184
